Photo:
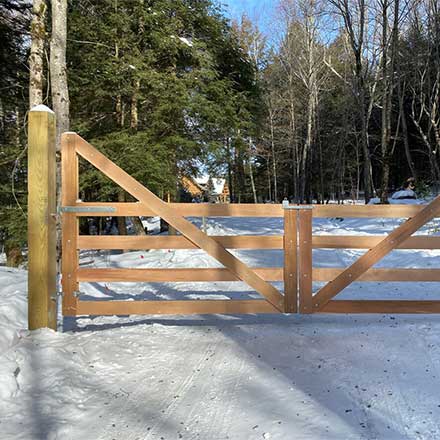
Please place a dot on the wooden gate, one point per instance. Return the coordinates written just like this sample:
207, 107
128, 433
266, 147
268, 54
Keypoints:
149, 204
362, 269
297, 243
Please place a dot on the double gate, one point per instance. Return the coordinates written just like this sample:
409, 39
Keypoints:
297, 242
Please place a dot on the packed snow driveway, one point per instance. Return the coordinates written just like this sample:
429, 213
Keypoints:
223, 377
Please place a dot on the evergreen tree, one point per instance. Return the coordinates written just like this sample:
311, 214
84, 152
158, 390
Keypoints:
13, 104
157, 85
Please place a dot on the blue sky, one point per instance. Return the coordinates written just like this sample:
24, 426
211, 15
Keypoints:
259, 10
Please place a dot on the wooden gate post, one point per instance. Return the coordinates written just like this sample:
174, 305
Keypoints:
298, 294
42, 263
305, 294
290, 258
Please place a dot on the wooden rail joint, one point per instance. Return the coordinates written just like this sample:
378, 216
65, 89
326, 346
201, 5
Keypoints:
297, 258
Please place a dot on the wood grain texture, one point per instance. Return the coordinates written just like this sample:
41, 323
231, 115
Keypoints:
69, 222
368, 242
366, 211
175, 275
290, 261
371, 257
259, 210
305, 261
42, 258
174, 307
176, 242
175, 219
415, 275
384, 306
192, 209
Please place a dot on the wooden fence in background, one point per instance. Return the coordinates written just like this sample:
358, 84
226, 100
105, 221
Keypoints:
297, 243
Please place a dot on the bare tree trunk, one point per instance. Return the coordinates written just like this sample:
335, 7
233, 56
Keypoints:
36, 63
58, 69
138, 226
274, 165
385, 135
230, 171
402, 114
355, 18
251, 173
59, 90
122, 225
134, 105
269, 180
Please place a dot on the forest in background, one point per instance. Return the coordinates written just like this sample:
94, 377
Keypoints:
338, 99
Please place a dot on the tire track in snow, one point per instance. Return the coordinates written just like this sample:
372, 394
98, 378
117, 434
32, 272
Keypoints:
215, 418
157, 429
163, 411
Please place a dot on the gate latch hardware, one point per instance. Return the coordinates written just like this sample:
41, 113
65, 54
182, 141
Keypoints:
286, 205
75, 209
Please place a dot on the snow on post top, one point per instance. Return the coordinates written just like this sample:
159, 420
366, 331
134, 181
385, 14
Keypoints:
41, 108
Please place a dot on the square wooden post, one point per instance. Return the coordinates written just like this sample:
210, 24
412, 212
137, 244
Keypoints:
305, 260
42, 260
70, 225
290, 259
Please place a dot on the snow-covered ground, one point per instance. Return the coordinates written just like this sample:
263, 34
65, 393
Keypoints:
225, 377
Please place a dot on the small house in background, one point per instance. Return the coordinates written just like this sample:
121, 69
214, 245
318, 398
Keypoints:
206, 189
192, 188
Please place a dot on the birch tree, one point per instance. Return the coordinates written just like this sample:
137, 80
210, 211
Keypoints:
302, 57
58, 69
36, 57
354, 15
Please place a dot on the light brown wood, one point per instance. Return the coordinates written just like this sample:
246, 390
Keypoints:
305, 261
248, 242
191, 209
290, 261
369, 241
174, 307
176, 242
259, 210
370, 211
328, 274
42, 220
384, 306
173, 217
163, 275
69, 195
371, 257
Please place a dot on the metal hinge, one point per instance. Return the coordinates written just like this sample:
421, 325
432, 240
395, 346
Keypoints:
286, 205
74, 209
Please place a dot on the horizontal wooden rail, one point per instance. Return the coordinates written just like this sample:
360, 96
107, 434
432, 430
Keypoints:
170, 307
176, 242
189, 209
369, 241
380, 306
222, 274
366, 211
255, 210
328, 274
175, 275
246, 242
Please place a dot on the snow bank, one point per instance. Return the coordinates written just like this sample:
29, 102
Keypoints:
13, 306
13, 322
398, 201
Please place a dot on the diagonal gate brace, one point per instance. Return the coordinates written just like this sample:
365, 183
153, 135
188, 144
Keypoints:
162, 209
370, 258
